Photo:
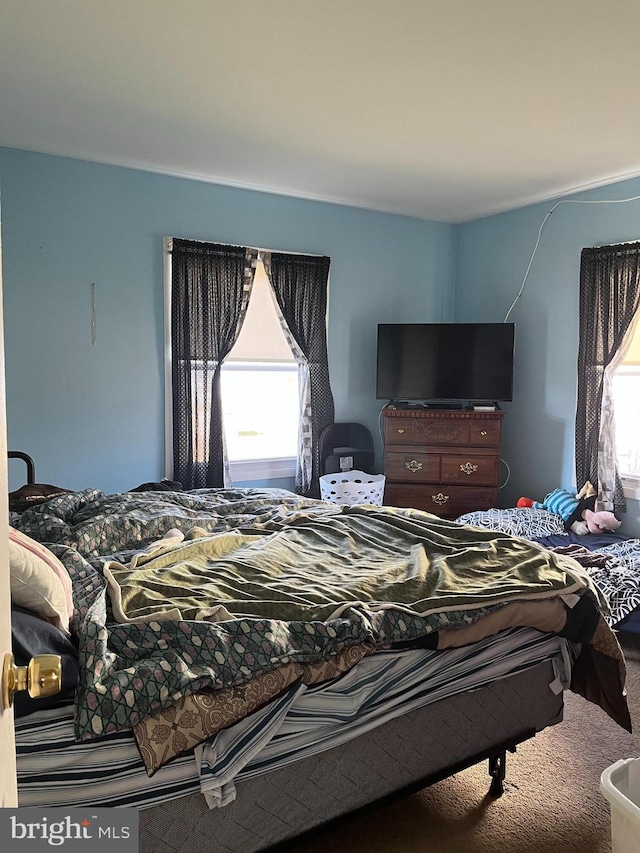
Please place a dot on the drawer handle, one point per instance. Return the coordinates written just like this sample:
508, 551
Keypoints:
468, 468
483, 432
414, 465
401, 431
440, 498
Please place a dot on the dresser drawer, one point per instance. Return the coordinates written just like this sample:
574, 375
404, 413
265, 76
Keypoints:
443, 500
485, 433
470, 470
442, 431
413, 466
400, 431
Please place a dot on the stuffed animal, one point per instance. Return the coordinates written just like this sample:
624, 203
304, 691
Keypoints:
595, 522
578, 512
525, 503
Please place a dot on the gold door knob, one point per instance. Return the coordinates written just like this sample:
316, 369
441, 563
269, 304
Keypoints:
414, 465
401, 431
483, 432
42, 677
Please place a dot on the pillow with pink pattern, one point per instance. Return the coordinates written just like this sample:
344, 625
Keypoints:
39, 581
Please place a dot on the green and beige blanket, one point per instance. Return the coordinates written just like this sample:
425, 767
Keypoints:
315, 568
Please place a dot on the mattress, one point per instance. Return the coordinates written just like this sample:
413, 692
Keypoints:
55, 770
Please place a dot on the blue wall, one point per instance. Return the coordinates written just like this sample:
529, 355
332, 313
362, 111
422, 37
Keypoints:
93, 415
492, 258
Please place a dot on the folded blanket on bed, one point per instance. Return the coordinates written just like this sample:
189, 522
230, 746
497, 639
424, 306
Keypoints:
195, 718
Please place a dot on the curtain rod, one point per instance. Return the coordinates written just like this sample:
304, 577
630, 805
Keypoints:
169, 240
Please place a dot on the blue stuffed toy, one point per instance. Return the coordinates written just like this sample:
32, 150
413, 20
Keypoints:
559, 501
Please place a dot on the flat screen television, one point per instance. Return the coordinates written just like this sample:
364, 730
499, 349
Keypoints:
445, 361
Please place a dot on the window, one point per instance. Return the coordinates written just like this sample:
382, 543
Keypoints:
220, 311
626, 395
609, 309
260, 396
259, 387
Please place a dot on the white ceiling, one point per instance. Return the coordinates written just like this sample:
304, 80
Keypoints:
442, 109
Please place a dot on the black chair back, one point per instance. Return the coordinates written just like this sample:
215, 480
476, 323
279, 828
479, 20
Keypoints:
344, 441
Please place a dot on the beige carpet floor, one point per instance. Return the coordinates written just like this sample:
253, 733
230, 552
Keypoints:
552, 801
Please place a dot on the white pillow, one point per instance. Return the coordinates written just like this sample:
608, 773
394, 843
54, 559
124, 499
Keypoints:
37, 580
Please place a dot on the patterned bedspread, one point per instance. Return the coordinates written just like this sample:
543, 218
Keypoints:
614, 569
451, 575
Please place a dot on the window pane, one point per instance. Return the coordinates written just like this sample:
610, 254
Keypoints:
260, 411
626, 393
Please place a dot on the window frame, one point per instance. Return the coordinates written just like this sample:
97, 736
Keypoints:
631, 487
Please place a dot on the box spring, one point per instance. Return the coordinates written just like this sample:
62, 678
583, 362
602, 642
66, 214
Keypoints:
402, 755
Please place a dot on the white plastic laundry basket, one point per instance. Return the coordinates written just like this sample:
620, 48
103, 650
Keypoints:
352, 487
620, 784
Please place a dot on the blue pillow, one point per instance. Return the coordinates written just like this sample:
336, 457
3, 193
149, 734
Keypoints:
31, 635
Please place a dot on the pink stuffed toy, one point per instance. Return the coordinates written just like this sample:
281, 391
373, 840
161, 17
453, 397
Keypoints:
595, 522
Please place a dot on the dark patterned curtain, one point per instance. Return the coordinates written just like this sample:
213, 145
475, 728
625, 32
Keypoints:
300, 286
210, 290
609, 298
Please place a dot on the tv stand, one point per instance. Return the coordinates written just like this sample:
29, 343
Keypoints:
444, 461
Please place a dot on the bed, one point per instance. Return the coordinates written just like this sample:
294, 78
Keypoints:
252, 665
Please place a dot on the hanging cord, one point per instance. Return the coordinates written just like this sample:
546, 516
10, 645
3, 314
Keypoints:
508, 474
544, 222
93, 313
380, 429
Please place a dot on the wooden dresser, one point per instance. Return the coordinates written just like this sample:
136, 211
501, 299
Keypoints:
444, 461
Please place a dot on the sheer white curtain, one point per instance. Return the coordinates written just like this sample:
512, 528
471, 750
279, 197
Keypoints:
607, 451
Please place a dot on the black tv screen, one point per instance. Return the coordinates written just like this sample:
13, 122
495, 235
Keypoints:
445, 361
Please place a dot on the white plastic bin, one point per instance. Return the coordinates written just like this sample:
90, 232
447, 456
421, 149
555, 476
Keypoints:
352, 487
620, 784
